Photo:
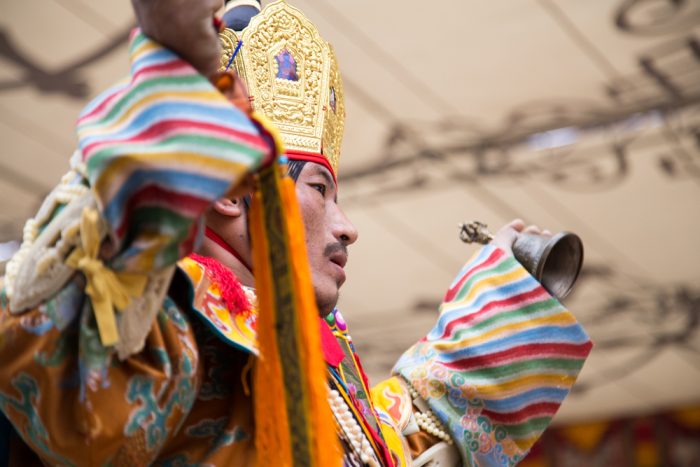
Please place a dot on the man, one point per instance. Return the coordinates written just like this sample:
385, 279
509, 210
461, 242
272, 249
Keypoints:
168, 380
327, 247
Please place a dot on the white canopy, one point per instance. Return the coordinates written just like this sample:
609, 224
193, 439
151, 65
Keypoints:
580, 116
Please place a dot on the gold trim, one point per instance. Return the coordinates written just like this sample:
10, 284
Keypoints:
301, 107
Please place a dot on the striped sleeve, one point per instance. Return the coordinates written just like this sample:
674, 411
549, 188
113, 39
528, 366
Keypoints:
159, 149
499, 361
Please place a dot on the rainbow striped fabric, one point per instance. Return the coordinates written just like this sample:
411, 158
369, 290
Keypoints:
500, 360
159, 149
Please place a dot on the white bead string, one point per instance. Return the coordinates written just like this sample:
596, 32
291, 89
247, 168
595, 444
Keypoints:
352, 429
428, 421
67, 190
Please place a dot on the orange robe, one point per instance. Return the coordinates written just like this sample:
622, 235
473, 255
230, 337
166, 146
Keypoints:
155, 152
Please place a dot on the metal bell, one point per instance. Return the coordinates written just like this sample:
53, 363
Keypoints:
555, 261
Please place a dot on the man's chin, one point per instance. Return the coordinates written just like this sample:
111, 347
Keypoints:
326, 303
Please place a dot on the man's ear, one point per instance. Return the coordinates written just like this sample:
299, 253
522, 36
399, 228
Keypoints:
231, 207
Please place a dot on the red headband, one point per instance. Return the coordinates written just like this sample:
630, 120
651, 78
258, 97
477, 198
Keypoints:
312, 157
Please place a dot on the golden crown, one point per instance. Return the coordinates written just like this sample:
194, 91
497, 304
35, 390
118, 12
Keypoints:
292, 78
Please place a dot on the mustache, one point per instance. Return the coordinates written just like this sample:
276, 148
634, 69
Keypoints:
332, 248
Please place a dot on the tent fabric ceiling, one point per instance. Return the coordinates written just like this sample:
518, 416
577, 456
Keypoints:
580, 116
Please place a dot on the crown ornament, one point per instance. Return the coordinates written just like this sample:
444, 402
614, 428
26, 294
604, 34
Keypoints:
293, 79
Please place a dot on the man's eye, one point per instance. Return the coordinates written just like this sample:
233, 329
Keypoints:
321, 188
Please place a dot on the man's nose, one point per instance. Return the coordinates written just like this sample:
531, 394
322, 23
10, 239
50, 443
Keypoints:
343, 229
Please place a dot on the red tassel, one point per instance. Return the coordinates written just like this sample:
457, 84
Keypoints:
230, 288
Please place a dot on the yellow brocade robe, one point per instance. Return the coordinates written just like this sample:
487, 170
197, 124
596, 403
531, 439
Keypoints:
154, 153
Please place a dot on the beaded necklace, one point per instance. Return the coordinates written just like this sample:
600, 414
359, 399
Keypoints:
351, 385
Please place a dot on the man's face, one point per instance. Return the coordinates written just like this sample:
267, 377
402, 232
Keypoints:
328, 233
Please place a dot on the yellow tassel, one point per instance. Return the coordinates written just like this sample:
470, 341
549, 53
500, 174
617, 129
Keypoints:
274, 440
324, 436
106, 288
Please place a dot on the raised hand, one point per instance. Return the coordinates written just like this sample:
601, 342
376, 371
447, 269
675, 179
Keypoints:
184, 26
507, 234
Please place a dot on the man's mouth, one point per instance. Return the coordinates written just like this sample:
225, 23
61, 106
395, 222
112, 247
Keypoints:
340, 258
337, 253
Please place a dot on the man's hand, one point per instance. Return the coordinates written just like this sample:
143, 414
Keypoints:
184, 26
506, 236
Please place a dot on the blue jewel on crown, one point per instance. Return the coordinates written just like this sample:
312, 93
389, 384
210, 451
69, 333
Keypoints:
331, 99
286, 66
